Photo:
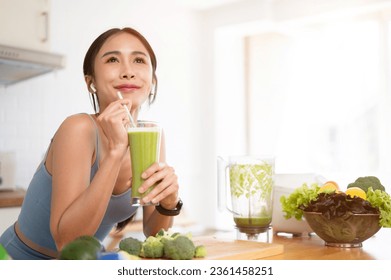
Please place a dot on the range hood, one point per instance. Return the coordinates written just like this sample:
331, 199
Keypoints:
18, 64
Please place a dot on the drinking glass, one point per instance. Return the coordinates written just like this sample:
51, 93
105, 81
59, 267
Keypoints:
144, 146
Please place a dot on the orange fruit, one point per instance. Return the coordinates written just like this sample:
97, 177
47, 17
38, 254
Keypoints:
329, 187
332, 183
356, 191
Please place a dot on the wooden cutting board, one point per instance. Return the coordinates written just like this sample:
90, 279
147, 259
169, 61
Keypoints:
226, 249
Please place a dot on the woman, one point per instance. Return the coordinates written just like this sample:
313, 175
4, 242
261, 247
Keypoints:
82, 187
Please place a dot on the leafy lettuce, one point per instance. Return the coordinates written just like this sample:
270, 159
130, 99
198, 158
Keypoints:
381, 200
301, 196
307, 198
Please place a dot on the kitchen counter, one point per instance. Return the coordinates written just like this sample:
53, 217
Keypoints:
286, 247
311, 247
12, 198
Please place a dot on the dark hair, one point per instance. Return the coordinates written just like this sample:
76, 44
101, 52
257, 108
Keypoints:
89, 59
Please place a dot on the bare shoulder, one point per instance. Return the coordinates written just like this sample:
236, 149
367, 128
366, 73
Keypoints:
78, 128
76, 137
78, 124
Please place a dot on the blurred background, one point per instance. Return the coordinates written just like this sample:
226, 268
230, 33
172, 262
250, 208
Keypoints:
305, 81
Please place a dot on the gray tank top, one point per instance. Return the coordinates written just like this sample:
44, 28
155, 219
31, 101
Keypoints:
34, 218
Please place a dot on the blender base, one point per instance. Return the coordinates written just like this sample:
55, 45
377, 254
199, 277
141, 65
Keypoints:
253, 233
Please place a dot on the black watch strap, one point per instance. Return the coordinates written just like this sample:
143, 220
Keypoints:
170, 212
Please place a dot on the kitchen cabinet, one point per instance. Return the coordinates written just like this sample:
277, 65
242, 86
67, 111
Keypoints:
25, 24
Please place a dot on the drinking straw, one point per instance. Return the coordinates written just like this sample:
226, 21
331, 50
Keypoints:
127, 110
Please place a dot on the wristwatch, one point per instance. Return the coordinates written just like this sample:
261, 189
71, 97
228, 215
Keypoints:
170, 212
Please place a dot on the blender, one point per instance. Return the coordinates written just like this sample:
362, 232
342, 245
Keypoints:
245, 188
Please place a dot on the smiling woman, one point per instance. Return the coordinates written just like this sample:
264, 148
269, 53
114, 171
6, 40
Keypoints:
83, 185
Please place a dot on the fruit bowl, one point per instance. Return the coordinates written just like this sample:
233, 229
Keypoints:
347, 231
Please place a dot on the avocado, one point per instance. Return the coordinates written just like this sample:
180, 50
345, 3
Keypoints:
93, 240
82, 248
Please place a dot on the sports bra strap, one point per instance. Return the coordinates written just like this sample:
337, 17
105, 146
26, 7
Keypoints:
97, 137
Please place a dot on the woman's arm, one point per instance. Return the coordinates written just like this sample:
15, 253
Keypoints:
78, 205
153, 221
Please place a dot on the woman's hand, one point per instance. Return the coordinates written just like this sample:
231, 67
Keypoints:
113, 121
166, 190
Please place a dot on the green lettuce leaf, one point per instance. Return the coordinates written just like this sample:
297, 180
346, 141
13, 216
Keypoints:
301, 196
381, 200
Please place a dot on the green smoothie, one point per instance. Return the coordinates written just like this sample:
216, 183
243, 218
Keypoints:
253, 222
144, 143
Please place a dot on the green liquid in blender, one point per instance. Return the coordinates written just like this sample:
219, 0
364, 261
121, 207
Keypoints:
253, 222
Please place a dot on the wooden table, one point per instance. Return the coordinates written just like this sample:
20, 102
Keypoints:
313, 248
296, 248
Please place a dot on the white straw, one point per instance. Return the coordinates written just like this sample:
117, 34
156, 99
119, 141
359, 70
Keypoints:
127, 110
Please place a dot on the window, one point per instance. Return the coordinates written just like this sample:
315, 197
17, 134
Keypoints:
316, 96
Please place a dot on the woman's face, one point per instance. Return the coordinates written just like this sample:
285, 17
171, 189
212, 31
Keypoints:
123, 64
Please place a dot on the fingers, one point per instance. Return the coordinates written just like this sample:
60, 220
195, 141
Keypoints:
113, 121
115, 111
116, 114
166, 183
153, 169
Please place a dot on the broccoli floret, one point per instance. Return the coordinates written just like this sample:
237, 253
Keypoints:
131, 245
174, 246
366, 182
200, 251
179, 248
175, 234
160, 233
152, 248
163, 236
